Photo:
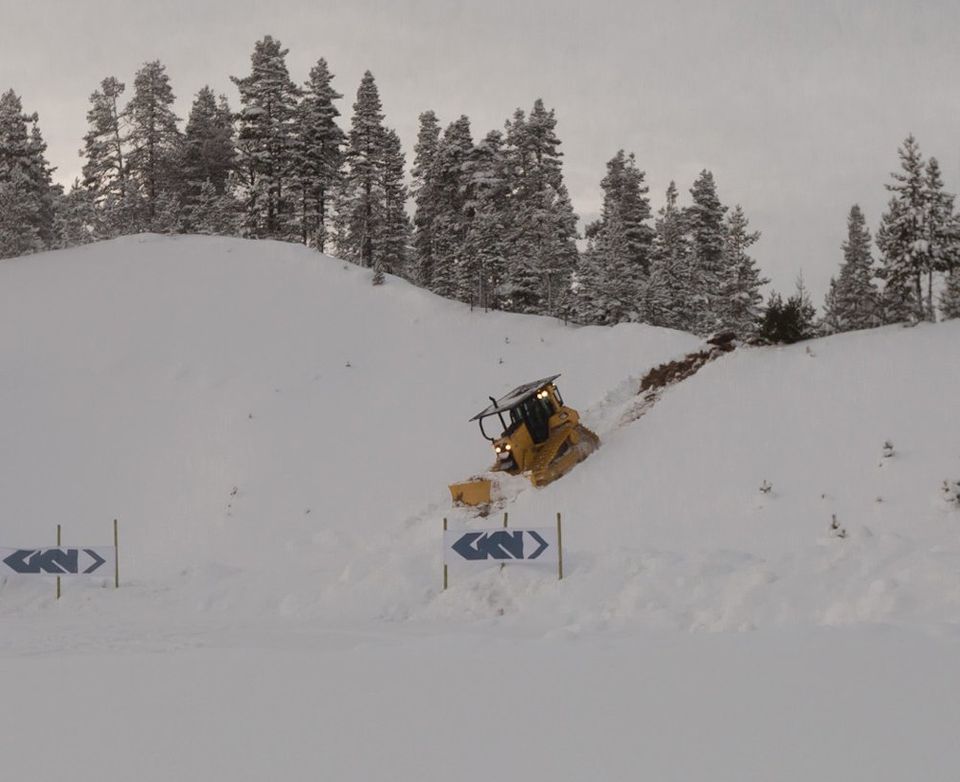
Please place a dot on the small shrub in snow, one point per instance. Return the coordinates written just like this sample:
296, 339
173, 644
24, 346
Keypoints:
835, 529
951, 492
766, 487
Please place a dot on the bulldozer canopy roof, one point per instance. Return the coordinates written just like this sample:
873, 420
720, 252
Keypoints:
517, 396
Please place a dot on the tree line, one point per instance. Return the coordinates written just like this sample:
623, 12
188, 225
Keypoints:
492, 221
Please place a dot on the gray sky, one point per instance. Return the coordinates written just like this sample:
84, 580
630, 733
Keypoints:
797, 107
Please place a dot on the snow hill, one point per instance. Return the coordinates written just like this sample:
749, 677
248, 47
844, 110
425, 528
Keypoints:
276, 436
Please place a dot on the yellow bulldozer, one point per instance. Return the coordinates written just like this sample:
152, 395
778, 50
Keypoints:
541, 438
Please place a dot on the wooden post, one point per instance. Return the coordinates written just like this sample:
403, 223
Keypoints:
116, 556
506, 516
445, 582
559, 549
58, 577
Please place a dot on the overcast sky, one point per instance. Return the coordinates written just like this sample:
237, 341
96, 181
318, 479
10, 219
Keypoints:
797, 107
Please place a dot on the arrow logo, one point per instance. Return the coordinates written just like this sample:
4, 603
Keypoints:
500, 545
541, 541
52, 561
98, 560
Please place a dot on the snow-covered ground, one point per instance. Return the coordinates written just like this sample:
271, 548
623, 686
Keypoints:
276, 436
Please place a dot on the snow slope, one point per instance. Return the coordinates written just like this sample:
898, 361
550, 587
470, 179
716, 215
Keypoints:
276, 435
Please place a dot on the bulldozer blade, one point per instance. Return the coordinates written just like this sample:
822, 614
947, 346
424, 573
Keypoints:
475, 492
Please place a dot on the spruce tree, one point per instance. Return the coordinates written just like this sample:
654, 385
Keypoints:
321, 155
942, 236
27, 222
483, 254
543, 252
668, 297
450, 219
612, 281
76, 217
104, 172
740, 290
853, 300
711, 274
361, 196
426, 206
154, 142
902, 238
393, 238
950, 298
267, 142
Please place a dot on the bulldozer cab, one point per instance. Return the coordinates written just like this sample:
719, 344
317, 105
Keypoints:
531, 405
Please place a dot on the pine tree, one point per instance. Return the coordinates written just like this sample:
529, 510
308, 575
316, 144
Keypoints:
361, 199
425, 151
710, 273
154, 140
27, 219
104, 172
209, 153
902, 238
267, 142
853, 300
393, 238
321, 155
740, 290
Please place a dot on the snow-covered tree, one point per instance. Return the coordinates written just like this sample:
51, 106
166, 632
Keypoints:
26, 189
212, 212
154, 144
543, 252
740, 288
942, 234
483, 255
76, 217
393, 236
361, 197
209, 153
668, 297
267, 142
903, 239
447, 183
321, 155
790, 321
705, 219
853, 299
424, 198
104, 172
611, 281
950, 298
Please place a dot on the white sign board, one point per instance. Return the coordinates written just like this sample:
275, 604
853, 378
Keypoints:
533, 546
58, 561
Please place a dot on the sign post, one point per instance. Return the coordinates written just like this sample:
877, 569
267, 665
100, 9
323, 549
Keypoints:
58, 577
